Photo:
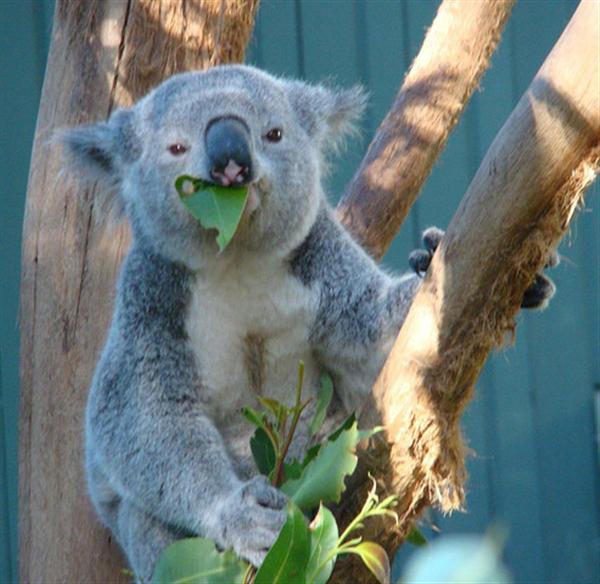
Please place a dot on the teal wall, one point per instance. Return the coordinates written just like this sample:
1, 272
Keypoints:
24, 36
532, 422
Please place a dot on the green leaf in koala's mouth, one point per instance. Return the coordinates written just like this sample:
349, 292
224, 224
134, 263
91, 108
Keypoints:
215, 207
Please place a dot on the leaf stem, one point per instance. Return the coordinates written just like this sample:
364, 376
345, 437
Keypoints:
298, 408
271, 435
249, 575
350, 528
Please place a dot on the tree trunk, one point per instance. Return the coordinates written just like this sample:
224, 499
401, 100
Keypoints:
103, 55
515, 211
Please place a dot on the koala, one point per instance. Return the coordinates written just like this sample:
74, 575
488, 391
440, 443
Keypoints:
197, 334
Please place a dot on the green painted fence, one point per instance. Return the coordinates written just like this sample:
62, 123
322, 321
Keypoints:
532, 425
24, 36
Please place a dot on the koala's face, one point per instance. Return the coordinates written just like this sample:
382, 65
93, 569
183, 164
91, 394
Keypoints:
230, 125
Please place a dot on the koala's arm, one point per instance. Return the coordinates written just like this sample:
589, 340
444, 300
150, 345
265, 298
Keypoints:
360, 307
149, 428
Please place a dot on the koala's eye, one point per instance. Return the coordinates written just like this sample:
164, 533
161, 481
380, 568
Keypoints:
274, 135
177, 149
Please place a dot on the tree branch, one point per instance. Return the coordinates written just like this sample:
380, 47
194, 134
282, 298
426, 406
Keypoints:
455, 54
515, 211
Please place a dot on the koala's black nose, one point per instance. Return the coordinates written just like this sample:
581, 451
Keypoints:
228, 149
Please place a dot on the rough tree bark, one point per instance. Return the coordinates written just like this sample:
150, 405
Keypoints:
103, 55
515, 211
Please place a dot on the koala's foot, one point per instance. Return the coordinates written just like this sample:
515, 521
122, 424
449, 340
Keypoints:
536, 296
420, 259
251, 519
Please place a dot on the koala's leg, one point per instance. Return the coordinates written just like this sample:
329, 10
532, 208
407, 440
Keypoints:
143, 537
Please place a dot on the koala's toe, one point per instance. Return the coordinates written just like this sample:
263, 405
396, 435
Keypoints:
539, 293
419, 261
431, 238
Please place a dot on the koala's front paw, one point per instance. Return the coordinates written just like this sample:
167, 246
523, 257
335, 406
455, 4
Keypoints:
420, 259
542, 290
251, 519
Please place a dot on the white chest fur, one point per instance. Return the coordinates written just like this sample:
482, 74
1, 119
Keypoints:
248, 323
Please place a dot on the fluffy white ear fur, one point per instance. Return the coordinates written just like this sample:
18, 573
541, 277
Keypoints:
327, 115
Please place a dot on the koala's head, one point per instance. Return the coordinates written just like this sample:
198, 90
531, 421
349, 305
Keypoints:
230, 125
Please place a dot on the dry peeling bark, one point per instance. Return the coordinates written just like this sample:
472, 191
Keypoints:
103, 55
514, 213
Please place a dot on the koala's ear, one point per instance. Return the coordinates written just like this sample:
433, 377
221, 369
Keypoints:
101, 151
327, 114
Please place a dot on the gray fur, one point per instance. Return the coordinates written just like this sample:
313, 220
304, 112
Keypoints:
360, 308
196, 334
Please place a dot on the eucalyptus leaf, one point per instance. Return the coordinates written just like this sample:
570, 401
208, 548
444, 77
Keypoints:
345, 425
323, 541
215, 207
286, 560
275, 407
197, 561
375, 558
323, 401
292, 469
323, 478
263, 451
364, 434
311, 454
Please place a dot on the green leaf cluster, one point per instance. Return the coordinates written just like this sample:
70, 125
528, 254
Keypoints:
306, 553
303, 552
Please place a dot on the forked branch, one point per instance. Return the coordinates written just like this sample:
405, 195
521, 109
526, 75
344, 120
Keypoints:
515, 211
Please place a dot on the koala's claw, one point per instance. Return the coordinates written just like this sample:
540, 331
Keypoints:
252, 518
539, 293
420, 259
543, 289
431, 238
